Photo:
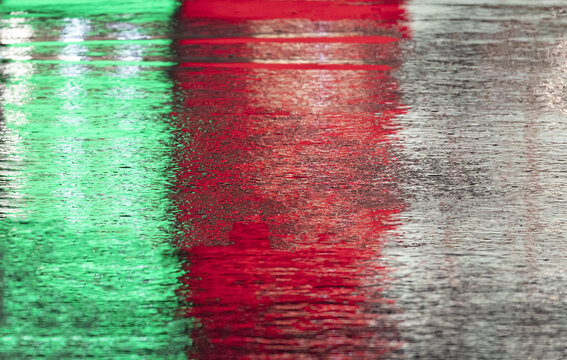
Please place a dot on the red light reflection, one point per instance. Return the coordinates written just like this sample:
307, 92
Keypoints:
286, 181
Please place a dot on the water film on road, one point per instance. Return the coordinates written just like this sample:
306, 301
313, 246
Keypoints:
214, 179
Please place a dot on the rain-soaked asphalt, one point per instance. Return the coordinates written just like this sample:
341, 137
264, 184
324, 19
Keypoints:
283, 179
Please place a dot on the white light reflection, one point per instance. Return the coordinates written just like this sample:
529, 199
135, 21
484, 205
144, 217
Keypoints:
129, 52
129, 120
14, 94
556, 86
73, 95
15, 30
75, 30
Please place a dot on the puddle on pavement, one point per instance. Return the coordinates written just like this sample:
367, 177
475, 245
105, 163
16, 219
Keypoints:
309, 180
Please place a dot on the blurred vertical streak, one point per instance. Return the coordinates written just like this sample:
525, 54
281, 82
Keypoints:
4, 170
2, 191
286, 182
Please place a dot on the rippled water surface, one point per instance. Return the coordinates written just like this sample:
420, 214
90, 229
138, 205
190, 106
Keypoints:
283, 179
86, 159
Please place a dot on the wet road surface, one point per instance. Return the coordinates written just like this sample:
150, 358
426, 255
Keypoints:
480, 255
87, 262
286, 178
305, 180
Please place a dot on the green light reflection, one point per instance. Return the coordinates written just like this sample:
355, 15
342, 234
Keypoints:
85, 219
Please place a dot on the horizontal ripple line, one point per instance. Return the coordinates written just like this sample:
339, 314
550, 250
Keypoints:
280, 40
289, 66
93, 42
96, 62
